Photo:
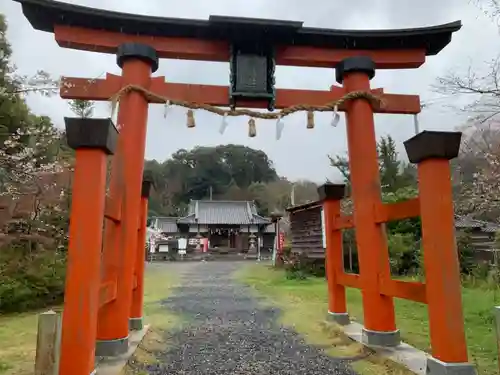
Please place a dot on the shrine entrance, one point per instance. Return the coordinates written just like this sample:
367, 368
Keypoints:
100, 308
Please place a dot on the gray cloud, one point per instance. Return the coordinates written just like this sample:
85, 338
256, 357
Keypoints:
300, 153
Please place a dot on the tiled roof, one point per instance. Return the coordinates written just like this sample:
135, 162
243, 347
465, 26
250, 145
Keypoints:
463, 222
166, 224
223, 212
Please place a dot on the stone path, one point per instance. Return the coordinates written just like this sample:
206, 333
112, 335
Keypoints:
228, 332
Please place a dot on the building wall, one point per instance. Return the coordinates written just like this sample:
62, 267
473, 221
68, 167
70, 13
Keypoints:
307, 236
307, 233
483, 244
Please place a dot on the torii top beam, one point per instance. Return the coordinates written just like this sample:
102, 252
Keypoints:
103, 31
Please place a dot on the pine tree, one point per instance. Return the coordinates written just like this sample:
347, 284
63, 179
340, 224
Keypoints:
82, 108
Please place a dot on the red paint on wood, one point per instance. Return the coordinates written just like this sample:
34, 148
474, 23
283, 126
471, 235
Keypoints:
140, 256
334, 259
81, 298
206, 50
363, 163
442, 272
104, 89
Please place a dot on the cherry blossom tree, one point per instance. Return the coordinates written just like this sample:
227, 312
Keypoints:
31, 152
477, 172
477, 169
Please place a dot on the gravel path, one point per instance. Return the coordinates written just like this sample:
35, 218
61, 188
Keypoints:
228, 332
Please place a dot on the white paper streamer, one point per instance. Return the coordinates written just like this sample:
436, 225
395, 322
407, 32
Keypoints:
416, 124
279, 128
223, 124
166, 108
336, 117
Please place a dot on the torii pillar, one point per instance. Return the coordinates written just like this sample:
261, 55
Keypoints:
137, 61
379, 317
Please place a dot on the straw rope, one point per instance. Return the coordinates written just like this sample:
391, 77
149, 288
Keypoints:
374, 101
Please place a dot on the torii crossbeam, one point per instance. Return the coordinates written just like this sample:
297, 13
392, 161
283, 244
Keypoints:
218, 96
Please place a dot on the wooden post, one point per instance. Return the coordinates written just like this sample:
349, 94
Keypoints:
92, 139
432, 151
331, 196
48, 344
379, 317
136, 318
277, 253
137, 62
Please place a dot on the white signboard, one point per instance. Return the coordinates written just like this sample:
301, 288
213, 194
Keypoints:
182, 244
323, 231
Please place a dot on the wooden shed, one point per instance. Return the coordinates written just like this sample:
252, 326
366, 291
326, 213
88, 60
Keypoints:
306, 229
482, 235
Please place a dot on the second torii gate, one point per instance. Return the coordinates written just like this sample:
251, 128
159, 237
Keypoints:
111, 303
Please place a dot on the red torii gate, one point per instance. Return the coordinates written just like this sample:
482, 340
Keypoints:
102, 306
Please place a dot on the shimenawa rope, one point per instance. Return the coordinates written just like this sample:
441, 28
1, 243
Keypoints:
374, 101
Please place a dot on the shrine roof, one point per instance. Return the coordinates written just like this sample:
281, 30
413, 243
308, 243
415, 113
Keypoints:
166, 224
305, 206
222, 212
45, 14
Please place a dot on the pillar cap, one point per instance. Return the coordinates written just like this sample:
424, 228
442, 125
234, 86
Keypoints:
97, 133
433, 145
353, 64
330, 191
138, 51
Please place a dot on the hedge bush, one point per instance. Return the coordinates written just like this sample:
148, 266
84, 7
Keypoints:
30, 279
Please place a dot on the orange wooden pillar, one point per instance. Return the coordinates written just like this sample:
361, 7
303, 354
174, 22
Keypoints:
331, 195
111, 248
92, 139
379, 318
432, 150
137, 61
136, 318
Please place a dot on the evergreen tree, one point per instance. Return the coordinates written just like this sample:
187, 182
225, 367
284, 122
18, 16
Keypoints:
394, 173
82, 108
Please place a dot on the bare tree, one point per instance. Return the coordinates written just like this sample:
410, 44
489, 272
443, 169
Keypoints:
482, 88
491, 9
477, 169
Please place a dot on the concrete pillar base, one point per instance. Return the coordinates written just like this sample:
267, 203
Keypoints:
379, 338
437, 367
339, 318
135, 324
111, 348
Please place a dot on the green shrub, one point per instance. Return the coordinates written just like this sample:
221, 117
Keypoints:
404, 253
300, 267
466, 256
30, 279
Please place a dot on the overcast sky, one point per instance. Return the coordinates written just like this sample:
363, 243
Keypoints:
300, 153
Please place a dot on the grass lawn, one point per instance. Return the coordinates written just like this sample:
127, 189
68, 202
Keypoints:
304, 304
158, 284
18, 331
18, 343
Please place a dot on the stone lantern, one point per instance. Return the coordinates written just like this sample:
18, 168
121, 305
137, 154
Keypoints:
252, 241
